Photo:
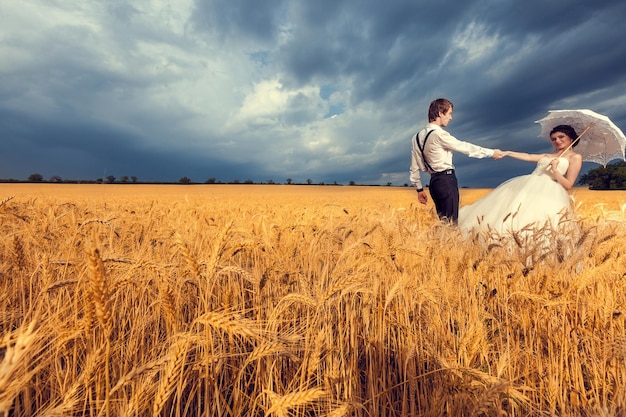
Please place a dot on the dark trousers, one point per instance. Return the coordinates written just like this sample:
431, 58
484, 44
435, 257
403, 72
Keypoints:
444, 191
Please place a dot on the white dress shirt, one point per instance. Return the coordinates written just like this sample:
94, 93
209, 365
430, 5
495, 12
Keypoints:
439, 148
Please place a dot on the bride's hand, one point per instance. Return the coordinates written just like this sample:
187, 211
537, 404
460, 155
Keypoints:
552, 166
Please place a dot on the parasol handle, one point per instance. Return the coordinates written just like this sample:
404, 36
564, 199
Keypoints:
577, 139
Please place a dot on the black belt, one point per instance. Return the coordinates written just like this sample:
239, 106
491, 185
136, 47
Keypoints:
446, 172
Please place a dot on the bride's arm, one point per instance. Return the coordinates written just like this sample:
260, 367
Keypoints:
523, 156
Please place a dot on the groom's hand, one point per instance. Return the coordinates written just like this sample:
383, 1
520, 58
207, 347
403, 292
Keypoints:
498, 154
422, 197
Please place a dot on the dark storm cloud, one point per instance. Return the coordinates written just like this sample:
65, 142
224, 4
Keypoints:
572, 55
378, 44
324, 90
247, 18
548, 18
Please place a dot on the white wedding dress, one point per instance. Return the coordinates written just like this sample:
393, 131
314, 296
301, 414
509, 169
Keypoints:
527, 202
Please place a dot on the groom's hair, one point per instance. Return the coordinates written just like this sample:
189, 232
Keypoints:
441, 105
568, 130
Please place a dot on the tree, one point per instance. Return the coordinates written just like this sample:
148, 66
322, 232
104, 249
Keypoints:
185, 180
133, 178
111, 179
309, 181
55, 178
210, 181
289, 180
611, 177
352, 183
35, 178
124, 178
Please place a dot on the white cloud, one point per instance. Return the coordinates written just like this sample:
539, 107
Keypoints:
471, 44
512, 53
271, 103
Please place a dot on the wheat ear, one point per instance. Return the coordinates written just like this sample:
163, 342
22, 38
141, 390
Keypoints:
99, 290
171, 374
189, 257
13, 358
6, 200
229, 324
282, 404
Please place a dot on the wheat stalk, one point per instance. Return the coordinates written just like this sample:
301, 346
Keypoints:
314, 356
101, 299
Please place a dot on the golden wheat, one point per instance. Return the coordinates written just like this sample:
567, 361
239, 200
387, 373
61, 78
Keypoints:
298, 301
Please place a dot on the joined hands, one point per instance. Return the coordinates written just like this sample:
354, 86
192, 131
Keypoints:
498, 154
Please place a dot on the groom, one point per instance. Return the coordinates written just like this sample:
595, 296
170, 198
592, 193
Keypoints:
431, 152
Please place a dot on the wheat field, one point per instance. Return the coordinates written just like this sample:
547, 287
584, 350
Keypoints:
283, 300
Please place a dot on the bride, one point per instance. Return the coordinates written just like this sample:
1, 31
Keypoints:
536, 200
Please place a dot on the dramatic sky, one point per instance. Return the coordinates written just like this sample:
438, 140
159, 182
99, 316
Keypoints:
326, 90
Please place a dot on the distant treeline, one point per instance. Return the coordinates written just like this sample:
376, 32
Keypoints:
611, 177
38, 178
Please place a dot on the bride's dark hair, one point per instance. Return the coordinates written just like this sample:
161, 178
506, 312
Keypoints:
568, 130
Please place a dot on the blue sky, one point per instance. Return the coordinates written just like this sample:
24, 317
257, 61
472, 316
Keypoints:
275, 89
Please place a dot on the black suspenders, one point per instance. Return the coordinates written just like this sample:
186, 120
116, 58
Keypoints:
421, 148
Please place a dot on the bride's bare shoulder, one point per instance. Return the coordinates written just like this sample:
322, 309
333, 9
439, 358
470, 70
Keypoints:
575, 157
572, 155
